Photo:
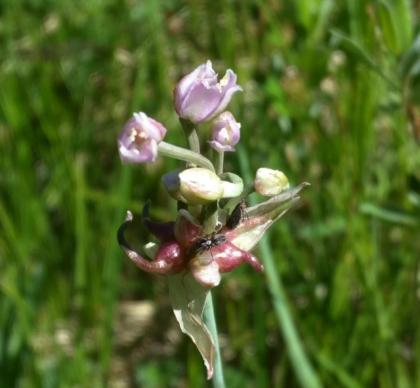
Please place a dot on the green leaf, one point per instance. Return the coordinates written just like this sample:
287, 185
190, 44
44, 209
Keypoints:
387, 22
403, 22
188, 299
387, 215
353, 47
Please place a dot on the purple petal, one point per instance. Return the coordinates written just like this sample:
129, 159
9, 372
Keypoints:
149, 126
200, 102
221, 147
147, 152
228, 89
202, 72
226, 132
138, 141
199, 97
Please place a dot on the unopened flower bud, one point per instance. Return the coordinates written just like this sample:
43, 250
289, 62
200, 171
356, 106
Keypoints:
199, 186
200, 97
139, 139
270, 182
172, 183
226, 132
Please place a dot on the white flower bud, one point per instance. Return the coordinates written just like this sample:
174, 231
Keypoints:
270, 182
200, 185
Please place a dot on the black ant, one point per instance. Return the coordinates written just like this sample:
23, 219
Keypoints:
205, 243
237, 216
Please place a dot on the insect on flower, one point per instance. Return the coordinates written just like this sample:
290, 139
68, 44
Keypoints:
205, 243
237, 216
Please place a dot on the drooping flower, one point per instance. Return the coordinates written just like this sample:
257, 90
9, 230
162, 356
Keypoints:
200, 97
226, 132
139, 139
178, 250
270, 182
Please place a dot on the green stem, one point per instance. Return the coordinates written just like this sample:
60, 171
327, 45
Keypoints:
210, 217
184, 154
219, 162
191, 135
300, 362
210, 320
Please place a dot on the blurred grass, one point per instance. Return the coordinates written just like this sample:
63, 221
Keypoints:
331, 96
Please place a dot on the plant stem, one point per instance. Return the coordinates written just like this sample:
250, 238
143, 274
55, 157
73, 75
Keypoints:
211, 218
210, 320
191, 135
219, 162
209, 225
300, 362
184, 154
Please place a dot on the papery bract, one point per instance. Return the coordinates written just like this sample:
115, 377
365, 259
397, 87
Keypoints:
226, 132
200, 97
139, 139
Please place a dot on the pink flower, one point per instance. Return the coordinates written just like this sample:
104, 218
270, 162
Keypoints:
139, 139
226, 132
200, 97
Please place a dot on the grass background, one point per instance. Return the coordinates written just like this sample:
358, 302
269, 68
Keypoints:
331, 96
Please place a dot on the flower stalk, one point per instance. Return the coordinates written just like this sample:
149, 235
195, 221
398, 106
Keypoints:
191, 135
210, 320
185, 155
220, 158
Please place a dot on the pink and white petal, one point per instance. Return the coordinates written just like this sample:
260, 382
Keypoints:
221, 147
148, 151
129, 155
207, 275
229, 87
151, 128
204, 71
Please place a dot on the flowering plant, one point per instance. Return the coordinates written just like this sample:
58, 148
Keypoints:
214, 230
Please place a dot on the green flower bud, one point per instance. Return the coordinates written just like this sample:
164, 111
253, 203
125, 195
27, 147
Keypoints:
270, 182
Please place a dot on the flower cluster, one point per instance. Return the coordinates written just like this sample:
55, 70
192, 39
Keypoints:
214, 230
